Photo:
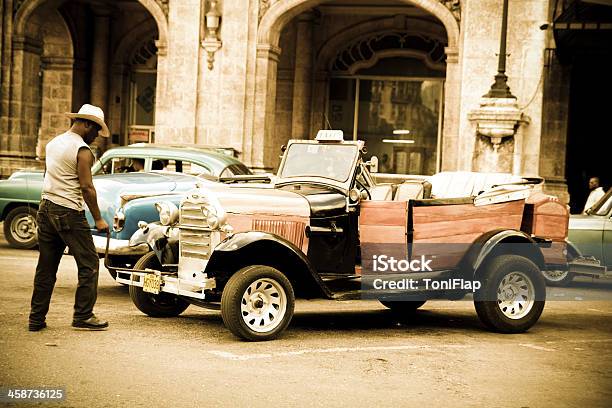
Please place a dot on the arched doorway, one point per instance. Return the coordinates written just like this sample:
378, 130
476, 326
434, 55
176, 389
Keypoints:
386, 88
141, 107
61, 56
284, 28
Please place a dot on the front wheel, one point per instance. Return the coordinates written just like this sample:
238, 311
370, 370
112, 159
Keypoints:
161, 305
257, 303
512, 295
20, 228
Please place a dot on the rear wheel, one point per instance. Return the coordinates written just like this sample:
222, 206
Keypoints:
20, 227
558, 278
257, 303
161, 305
405, 307
512, 295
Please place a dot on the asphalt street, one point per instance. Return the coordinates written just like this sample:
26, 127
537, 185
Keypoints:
353, 353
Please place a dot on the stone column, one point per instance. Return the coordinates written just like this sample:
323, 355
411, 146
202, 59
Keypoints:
56, 100
319, 102
302, 80
118, 101
99, 67
5, 73
24, 80
553, 142
452, 94
161, 87
177, 75
262, 149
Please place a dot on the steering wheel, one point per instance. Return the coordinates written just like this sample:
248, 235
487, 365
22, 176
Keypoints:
362, 188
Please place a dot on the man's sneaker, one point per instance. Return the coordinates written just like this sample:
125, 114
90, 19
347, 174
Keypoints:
33, 326
93, 323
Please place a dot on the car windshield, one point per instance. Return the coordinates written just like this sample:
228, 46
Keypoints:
235, 170
331, 161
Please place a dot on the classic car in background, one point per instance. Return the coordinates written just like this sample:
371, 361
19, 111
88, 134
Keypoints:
590, 239
251, 251
20, 193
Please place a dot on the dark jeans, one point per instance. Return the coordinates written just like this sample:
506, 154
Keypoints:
59, 227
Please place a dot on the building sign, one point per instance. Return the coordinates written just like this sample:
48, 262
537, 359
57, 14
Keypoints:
138, 135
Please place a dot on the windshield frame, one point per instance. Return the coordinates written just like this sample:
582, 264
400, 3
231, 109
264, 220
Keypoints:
343, 186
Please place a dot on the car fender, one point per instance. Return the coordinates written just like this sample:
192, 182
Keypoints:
490, 244
263, 248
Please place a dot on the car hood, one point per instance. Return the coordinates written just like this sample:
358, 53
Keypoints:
264, 201
113, 190
582, 221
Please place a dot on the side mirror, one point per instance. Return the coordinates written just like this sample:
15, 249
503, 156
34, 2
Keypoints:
372, 164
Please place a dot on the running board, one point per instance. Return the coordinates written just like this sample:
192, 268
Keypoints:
587, 266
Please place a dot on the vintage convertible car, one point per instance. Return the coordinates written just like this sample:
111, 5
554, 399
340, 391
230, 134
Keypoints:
317, 232
590, 240
20, 193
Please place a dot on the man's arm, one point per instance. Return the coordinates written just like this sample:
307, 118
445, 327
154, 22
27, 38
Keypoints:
84, 163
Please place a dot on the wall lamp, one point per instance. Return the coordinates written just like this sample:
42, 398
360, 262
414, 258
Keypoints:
211, 42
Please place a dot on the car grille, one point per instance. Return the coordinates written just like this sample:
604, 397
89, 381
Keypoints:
195, 243
194, 233
192, 217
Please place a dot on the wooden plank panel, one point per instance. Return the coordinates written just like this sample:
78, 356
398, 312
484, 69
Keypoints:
455, 239
382, 234
459, 212
551, 208
454, 228
551, 226
459, 223
383, 213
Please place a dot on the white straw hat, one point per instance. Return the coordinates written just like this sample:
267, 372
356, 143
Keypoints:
92, 113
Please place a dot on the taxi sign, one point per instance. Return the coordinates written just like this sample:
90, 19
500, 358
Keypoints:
330, 136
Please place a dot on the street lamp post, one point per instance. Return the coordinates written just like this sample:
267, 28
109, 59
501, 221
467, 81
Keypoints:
500, 88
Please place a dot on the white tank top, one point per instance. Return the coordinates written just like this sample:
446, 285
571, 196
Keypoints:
61, 185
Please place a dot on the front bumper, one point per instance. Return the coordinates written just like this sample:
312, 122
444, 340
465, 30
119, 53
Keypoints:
171, 283
119, 246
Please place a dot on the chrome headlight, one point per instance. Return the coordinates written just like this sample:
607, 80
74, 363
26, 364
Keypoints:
211, 215
118, 220
168, 212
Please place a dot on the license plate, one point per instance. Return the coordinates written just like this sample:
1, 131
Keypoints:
152, 283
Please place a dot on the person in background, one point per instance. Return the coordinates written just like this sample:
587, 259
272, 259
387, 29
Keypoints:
138, 164
595, 195
384, 166
61, 219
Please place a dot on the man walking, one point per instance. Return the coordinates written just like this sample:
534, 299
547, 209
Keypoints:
595, 195
61, 219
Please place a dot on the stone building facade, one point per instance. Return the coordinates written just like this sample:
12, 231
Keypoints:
408, 76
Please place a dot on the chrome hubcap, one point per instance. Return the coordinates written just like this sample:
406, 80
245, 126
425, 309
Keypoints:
555, 276
23, 228
263, 305
515, 295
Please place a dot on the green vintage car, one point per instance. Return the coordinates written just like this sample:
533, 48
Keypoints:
590, 238
20, 193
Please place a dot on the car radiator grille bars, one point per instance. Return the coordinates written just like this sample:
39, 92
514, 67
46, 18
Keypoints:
195, 235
